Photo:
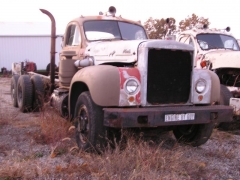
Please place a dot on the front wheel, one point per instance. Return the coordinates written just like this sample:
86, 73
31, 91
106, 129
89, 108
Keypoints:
89, 123
195, 135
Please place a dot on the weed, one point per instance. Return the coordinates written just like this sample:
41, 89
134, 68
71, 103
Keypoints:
53, 129
38, 155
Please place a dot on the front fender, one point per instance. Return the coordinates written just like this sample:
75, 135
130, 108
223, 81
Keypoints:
212, 94
103, 82
215, 94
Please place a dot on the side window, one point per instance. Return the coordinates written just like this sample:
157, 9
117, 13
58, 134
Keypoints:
230, 44
73, 36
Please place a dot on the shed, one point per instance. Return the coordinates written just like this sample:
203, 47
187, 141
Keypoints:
20, 41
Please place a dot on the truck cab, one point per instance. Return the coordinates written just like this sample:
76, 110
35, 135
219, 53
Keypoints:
112, 77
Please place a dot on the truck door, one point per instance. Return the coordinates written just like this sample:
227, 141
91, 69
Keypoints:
71, 44
71, 47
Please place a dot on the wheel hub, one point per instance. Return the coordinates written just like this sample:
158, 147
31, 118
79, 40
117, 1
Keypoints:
83, 126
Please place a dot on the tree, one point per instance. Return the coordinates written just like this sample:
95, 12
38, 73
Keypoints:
191, 22
157, 28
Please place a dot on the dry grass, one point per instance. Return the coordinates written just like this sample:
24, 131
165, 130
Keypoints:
53, 128
3, 122
141, 158
42, 146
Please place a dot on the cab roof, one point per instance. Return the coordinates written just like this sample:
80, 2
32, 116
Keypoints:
194, 32
82, 19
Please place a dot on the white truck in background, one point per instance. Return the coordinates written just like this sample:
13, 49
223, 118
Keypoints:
217, 50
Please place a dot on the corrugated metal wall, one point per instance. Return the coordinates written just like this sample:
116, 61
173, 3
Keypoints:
33, 48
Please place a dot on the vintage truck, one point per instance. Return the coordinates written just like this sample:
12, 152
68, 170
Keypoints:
111, 76
218, 51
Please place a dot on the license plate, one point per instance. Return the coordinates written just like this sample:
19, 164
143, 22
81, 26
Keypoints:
179, 117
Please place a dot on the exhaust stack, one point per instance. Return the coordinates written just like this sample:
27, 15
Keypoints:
52, 53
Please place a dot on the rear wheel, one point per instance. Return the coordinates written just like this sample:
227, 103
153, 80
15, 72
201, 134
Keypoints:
89, 124
24, 93
38, 92
48, 68
195, 135
35, 67
64, 106
13, 90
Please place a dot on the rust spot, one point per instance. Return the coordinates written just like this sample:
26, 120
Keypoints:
115, 122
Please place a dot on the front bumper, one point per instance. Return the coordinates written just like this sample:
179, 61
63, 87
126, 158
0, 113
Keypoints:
156, 116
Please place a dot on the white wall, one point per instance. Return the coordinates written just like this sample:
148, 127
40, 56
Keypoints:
33, 48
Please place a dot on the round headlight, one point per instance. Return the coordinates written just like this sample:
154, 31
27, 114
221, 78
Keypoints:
200, 85
131, 86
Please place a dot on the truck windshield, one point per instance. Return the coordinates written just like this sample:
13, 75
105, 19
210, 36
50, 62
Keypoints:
108, 30
217, 41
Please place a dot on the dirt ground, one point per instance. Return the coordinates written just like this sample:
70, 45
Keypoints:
39, 145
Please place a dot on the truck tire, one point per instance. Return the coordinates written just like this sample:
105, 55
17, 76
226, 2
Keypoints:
48, 68
194, 135
24, 93
38, 92
225, 96
63, 109
35, 67
89, 124
13, 90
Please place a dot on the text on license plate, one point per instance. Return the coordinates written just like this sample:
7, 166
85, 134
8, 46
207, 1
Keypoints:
179, 117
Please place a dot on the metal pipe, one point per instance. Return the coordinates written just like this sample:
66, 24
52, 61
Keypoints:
43, 76
52, 53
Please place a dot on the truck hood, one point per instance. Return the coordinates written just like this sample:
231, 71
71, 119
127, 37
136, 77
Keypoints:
126, 51
224, 59
113, 51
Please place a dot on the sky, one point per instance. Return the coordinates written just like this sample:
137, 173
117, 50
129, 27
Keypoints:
221, 13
